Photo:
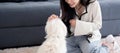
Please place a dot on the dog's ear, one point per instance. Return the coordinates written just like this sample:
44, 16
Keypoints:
61, 28
56, 26
50, 26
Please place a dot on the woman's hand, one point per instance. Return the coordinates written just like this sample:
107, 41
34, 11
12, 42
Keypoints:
53, 16
72, 22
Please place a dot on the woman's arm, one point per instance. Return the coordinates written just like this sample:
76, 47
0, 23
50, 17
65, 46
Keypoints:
83, 27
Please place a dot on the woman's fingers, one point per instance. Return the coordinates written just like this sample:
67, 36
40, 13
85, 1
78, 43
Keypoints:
53, 16
109, 45
72, 22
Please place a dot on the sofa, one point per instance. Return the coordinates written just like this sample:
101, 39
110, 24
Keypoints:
22, 23
111, 17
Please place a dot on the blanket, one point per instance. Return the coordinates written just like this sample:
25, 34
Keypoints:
33, 49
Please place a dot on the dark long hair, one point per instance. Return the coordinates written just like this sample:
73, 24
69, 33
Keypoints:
69, 13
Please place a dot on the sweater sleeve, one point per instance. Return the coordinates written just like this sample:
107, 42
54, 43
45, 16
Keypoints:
83, 27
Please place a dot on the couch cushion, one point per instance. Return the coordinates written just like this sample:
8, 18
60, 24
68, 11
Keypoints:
23, 36
110, 27
19, 0
26, 13
110, 10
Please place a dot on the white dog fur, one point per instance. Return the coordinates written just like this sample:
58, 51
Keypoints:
55, 38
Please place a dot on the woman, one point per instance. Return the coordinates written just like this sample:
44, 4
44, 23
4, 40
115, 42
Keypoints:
83, 20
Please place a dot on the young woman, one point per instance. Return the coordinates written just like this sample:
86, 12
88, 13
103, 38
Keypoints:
83, 20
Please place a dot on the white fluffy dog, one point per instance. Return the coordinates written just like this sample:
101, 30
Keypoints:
55, 39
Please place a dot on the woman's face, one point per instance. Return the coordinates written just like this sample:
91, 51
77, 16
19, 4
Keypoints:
72, 3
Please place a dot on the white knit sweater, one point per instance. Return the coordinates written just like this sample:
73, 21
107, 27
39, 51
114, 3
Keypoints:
89, 23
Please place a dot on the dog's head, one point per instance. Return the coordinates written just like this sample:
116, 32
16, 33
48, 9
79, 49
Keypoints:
56, 27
